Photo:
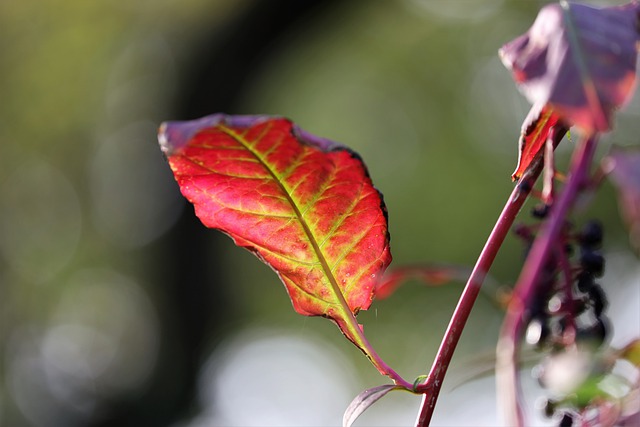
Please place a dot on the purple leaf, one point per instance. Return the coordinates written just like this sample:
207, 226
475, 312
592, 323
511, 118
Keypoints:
578, 60
364, 400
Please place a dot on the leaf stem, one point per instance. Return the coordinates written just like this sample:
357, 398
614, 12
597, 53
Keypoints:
431, 387
357, 336
507, 349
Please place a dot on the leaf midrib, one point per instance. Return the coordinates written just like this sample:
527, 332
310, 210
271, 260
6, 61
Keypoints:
307, 230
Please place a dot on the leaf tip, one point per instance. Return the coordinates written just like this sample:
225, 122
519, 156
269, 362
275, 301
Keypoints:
162, 138
176, 134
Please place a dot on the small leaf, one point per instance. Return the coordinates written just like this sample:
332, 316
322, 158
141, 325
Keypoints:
304, 205
623, 168
536, 129
578, 60
364, 400
432, 275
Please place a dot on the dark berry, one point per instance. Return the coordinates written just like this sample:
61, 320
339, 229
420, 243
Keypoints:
592, 261
550, 408
537, 331
566, 421
523, 231
591, 235
598, 300
524, 185
540, 211
595, 333
585, 281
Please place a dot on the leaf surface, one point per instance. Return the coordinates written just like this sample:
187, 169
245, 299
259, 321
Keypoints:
578, 60
304, 205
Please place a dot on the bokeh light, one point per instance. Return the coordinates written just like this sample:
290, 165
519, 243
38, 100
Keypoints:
118, 308
100, 341
42, 220
133, 192
264, 377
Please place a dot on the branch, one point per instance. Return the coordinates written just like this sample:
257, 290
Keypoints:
431, 387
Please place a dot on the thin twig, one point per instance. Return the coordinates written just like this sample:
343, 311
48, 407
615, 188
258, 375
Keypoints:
431, 387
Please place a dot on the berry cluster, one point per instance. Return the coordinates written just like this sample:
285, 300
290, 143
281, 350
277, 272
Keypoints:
568, 310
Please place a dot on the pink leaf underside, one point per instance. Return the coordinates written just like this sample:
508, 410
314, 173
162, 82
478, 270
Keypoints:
578, 60
430, 275
304, 205
363, 401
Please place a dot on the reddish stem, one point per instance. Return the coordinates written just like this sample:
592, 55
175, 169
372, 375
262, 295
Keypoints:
507, 351
431, 387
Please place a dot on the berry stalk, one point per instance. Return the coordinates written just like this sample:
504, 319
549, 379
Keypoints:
516, 317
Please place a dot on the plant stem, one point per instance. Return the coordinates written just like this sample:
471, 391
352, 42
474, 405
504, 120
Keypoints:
506, 367
431, 387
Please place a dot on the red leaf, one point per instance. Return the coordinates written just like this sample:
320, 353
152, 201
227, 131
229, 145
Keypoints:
623, 167
304, 205
535, 132
578, 60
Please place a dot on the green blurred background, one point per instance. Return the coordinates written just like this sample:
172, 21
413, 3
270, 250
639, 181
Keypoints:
117, 308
